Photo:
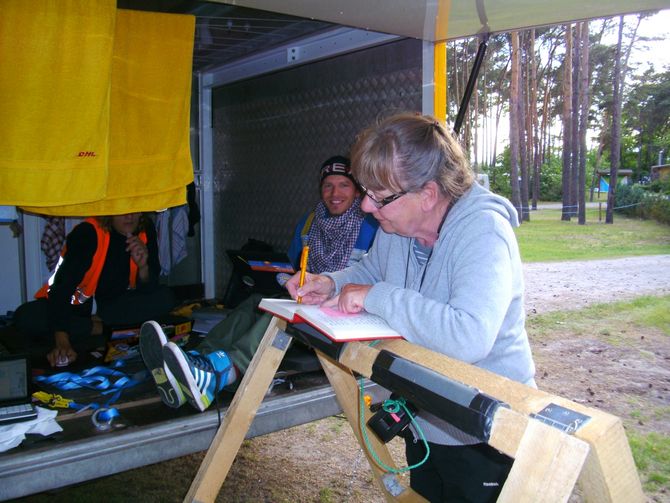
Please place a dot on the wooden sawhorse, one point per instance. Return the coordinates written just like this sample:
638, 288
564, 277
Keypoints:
548, 460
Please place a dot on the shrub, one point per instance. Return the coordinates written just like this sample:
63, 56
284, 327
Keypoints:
551, 180
499, 178
656, 207
628, 199
634, 200
660, 186
550, 177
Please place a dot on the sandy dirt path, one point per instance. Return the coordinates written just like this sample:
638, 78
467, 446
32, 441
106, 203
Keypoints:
552, 286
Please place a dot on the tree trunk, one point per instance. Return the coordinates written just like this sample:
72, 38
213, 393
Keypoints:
499, 110
599, 153
494, 154
524, 127
620, 71
475, 109
567, 123
514, 126
545, 139
584, 102
574, 164
457, 90
534, 119
544, 128
615, 155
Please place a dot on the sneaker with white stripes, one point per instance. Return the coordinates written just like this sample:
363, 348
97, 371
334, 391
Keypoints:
199, 377
152, 340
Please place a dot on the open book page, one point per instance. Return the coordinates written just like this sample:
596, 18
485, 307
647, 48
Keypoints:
284, 308
341, 326
335, 324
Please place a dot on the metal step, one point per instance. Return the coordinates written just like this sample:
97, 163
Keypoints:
81, 453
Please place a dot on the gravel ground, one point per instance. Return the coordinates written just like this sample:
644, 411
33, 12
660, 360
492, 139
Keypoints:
551, 286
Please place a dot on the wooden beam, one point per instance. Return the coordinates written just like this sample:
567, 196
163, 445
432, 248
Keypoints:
255, 383
347, 392
609, 473
547, 462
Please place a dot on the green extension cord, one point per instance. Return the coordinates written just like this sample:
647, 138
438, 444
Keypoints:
391, 406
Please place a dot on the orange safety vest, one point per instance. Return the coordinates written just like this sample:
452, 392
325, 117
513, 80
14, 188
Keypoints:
89, 282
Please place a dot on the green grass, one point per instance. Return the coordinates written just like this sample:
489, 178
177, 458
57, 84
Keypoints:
653, 312
644, 414
606, 319
337, 423
326, 495
546, 238
651, 452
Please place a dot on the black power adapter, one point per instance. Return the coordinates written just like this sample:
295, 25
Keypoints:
386, 424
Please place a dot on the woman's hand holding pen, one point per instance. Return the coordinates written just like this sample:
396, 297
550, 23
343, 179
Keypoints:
316, 289
319, 289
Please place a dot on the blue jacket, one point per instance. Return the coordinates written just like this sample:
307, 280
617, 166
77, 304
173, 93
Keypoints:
366, 235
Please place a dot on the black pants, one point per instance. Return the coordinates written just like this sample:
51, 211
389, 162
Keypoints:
460, 473
132, 308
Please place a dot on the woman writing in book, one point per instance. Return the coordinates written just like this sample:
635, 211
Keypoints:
445, 272
113, 259
337, 232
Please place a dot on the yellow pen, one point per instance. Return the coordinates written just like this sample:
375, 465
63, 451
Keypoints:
303, 269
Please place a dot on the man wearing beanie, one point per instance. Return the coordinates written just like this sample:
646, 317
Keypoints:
338, 234
337, 231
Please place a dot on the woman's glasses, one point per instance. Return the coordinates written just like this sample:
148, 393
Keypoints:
380, 203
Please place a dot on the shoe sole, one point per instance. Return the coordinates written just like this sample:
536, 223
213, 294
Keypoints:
152, 340
181, 369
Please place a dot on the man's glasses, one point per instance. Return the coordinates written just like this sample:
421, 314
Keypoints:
380, 203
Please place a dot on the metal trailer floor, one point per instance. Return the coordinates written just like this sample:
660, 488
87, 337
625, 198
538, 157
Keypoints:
153, 433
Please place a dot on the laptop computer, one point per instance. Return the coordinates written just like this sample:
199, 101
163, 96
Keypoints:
15, 397
256, 272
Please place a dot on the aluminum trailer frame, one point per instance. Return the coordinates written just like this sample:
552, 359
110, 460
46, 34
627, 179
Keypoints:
43, 468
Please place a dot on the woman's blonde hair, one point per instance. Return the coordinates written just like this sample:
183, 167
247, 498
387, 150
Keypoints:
405, 151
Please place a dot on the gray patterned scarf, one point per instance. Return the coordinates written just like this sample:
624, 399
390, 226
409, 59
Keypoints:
331, 238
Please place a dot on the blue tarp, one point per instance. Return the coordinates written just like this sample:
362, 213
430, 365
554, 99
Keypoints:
604, 185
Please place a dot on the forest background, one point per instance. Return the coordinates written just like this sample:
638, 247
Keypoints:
575, 100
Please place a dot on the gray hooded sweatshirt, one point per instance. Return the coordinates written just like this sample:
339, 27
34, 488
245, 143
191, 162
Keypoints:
468, 303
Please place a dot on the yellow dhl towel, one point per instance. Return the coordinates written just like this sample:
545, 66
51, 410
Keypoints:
148, 159
56, 60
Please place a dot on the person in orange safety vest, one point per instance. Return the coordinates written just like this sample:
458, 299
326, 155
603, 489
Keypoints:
112, 259
86, 289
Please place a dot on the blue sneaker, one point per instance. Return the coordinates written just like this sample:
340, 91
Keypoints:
200, 377
152, 340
